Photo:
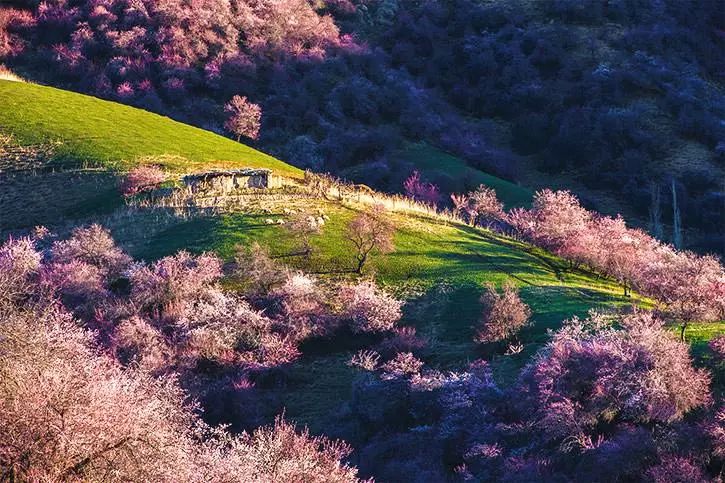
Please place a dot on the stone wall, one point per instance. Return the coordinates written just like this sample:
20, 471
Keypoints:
223, 183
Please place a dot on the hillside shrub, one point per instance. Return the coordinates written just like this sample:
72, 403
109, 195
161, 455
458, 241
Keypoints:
592, 376
174, 282
94, 245
142, 178
368, 308
69, 412
19, 262
504, 315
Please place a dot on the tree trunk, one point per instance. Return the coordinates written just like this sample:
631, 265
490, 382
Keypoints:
682, 331
361, 263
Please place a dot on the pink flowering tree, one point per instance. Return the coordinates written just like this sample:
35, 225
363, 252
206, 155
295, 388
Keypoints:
76, 282
368, 308
173, 283
592, 375
95, 246
483, 205
142, 178
280, 453
421, 191
300, 303
243, 118
370, 232
70, 412
620, 252
686, 285
19, 262
137, 341
557, 216
504, 314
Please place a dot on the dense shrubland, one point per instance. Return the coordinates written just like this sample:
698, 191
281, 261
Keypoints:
152, 356
92, 387
123, 370
115, 346
605, 400
613, 94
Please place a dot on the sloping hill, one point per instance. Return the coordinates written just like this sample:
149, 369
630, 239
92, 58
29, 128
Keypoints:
72, 147
100, 133
455, 175
439, 267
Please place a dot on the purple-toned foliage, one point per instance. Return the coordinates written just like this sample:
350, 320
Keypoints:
243, 118
504, 314
717, 346
76, 282
174, 282
138, 342
673, 468
402, 339
404, 364
92, 245
142, 178
19, 262
70, 412
592, 375
689, 287
300, 302
420, 190
715, 430
368, 308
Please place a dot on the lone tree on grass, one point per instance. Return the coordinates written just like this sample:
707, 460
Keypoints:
504, 314
370, 232
244, 117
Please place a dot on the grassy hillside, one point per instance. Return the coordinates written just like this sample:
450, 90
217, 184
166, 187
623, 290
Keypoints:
91, 140
100, 133
439, 268
453, 174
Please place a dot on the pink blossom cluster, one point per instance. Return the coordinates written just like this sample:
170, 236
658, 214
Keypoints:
504, 314
479, 207
420, 190
688, 286
69, 412
142, 178
638, 373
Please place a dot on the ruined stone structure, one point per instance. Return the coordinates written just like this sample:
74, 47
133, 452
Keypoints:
219, 183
